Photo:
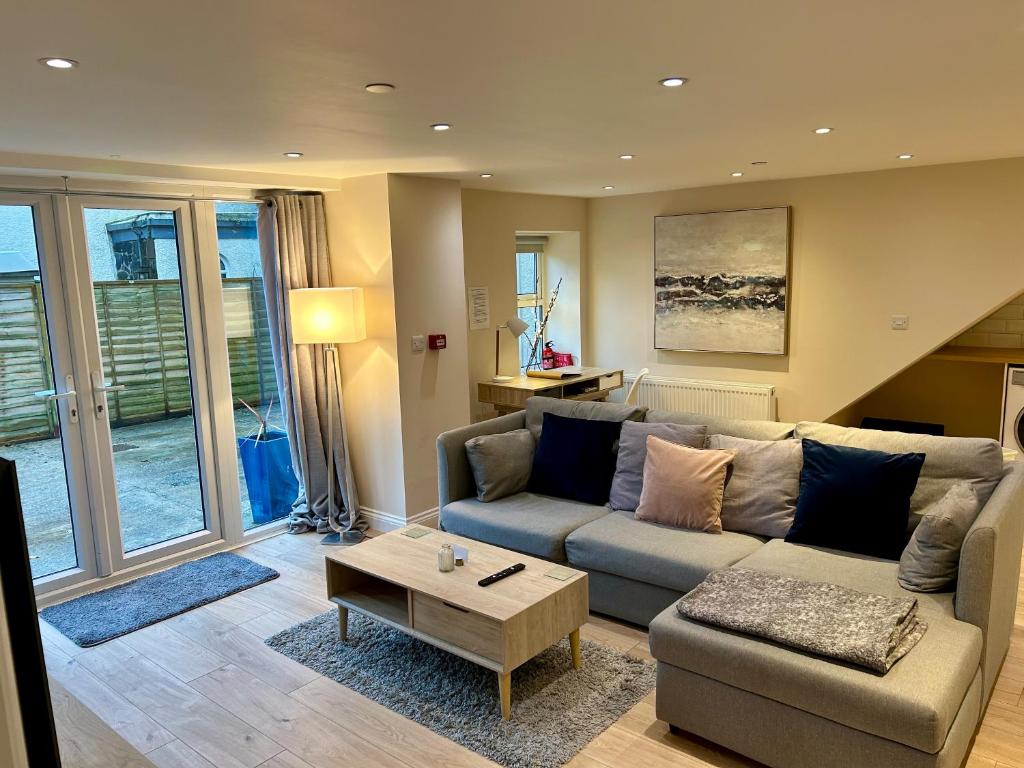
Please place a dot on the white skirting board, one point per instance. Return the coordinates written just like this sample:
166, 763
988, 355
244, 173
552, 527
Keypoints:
726, 399
384, 522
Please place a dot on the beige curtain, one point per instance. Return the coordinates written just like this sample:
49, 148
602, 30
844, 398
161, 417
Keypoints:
293, 243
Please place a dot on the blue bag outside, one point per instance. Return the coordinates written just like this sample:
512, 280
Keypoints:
269, 476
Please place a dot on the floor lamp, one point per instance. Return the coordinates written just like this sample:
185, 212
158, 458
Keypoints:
329, 316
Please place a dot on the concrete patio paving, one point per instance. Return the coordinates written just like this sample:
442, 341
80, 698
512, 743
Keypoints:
158, 488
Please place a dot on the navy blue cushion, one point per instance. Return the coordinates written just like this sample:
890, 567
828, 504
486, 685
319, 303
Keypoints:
575, 458
855, 500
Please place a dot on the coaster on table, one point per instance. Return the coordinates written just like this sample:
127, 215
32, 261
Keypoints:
561, 573
416, 532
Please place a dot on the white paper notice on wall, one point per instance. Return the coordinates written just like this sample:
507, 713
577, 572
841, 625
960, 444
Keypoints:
479, 309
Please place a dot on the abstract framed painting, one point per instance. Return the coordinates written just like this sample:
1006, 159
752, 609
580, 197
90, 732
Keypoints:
721, 281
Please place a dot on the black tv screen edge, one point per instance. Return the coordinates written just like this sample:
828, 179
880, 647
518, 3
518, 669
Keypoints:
23, 628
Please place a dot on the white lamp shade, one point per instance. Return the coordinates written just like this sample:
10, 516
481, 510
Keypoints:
326, 315
518, 326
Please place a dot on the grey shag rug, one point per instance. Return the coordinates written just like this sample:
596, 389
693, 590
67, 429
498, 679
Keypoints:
556, 710
93, 619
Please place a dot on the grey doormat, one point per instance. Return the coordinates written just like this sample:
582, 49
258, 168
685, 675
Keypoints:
93, 619
556, 710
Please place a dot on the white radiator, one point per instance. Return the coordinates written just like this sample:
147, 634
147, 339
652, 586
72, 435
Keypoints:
731, 400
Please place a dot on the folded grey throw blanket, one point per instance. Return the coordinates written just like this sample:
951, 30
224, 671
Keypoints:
871, 631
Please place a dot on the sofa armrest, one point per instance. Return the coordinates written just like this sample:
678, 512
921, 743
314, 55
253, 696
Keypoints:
986, 593
454, 476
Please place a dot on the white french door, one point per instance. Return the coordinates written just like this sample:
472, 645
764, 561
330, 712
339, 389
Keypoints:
143, 368
105, 392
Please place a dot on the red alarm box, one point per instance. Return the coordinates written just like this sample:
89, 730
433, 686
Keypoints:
437, 341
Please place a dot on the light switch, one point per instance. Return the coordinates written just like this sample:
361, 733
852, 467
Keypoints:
419, 343
900, 322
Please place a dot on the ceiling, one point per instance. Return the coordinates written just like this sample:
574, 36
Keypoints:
544, 94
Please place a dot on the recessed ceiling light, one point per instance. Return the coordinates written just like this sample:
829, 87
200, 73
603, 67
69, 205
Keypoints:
441, 126
737, 174
380, 87
486, 175
608, 186
57, 62
293, 155
904, 156
822, 131
625, 157
673, 82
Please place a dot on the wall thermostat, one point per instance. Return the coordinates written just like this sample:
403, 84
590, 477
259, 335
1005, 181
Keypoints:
437, 341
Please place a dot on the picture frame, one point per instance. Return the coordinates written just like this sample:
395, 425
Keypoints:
722, 281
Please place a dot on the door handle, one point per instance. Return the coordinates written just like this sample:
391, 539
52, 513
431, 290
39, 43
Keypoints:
69, 395
100, 389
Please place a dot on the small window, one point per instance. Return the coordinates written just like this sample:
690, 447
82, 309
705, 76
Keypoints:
530, 298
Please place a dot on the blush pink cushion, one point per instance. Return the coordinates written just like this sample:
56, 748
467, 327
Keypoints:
683, 486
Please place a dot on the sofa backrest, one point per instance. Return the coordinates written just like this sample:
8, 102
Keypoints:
536, 407
751, 430
948, 460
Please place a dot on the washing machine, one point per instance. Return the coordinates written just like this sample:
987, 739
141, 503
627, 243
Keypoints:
1013, 409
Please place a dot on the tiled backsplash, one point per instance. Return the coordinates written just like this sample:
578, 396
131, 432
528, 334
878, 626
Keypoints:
1003, 328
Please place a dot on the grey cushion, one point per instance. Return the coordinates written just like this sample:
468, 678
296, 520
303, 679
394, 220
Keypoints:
750, 429
915, 703
525, 522
868, 574
629, 468
536, 407
760, 497
932, 558
501, 463
948, 460
674, 558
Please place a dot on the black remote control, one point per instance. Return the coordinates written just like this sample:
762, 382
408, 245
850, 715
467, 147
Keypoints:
501, 574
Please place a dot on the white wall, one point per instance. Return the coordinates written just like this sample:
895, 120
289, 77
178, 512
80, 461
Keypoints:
490, 221
562, 260
430, 297
942, 244
359, 231
400, 238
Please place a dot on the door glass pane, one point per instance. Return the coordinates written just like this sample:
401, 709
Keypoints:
30, 424
133, 258
266, 477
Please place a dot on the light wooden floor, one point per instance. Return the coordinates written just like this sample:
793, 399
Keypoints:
202, 690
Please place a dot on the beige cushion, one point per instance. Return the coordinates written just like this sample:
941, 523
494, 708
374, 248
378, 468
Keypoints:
683, 486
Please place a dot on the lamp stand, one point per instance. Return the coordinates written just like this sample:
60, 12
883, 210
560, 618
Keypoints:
339, 537
498, 378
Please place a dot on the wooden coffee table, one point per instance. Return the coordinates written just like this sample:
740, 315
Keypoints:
394, 579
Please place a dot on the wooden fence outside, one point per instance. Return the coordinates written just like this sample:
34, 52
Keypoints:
142, 338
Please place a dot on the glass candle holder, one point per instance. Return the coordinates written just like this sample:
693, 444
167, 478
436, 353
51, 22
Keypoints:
446, 558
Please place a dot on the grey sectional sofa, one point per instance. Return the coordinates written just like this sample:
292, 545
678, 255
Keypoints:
774, 704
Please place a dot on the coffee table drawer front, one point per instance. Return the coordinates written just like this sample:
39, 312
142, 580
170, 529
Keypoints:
471, 631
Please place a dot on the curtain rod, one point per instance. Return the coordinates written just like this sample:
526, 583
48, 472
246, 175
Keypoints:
251, 198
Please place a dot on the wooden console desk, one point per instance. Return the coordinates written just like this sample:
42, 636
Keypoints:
590, 384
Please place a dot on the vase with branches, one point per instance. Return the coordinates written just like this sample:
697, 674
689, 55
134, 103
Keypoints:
536, 347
